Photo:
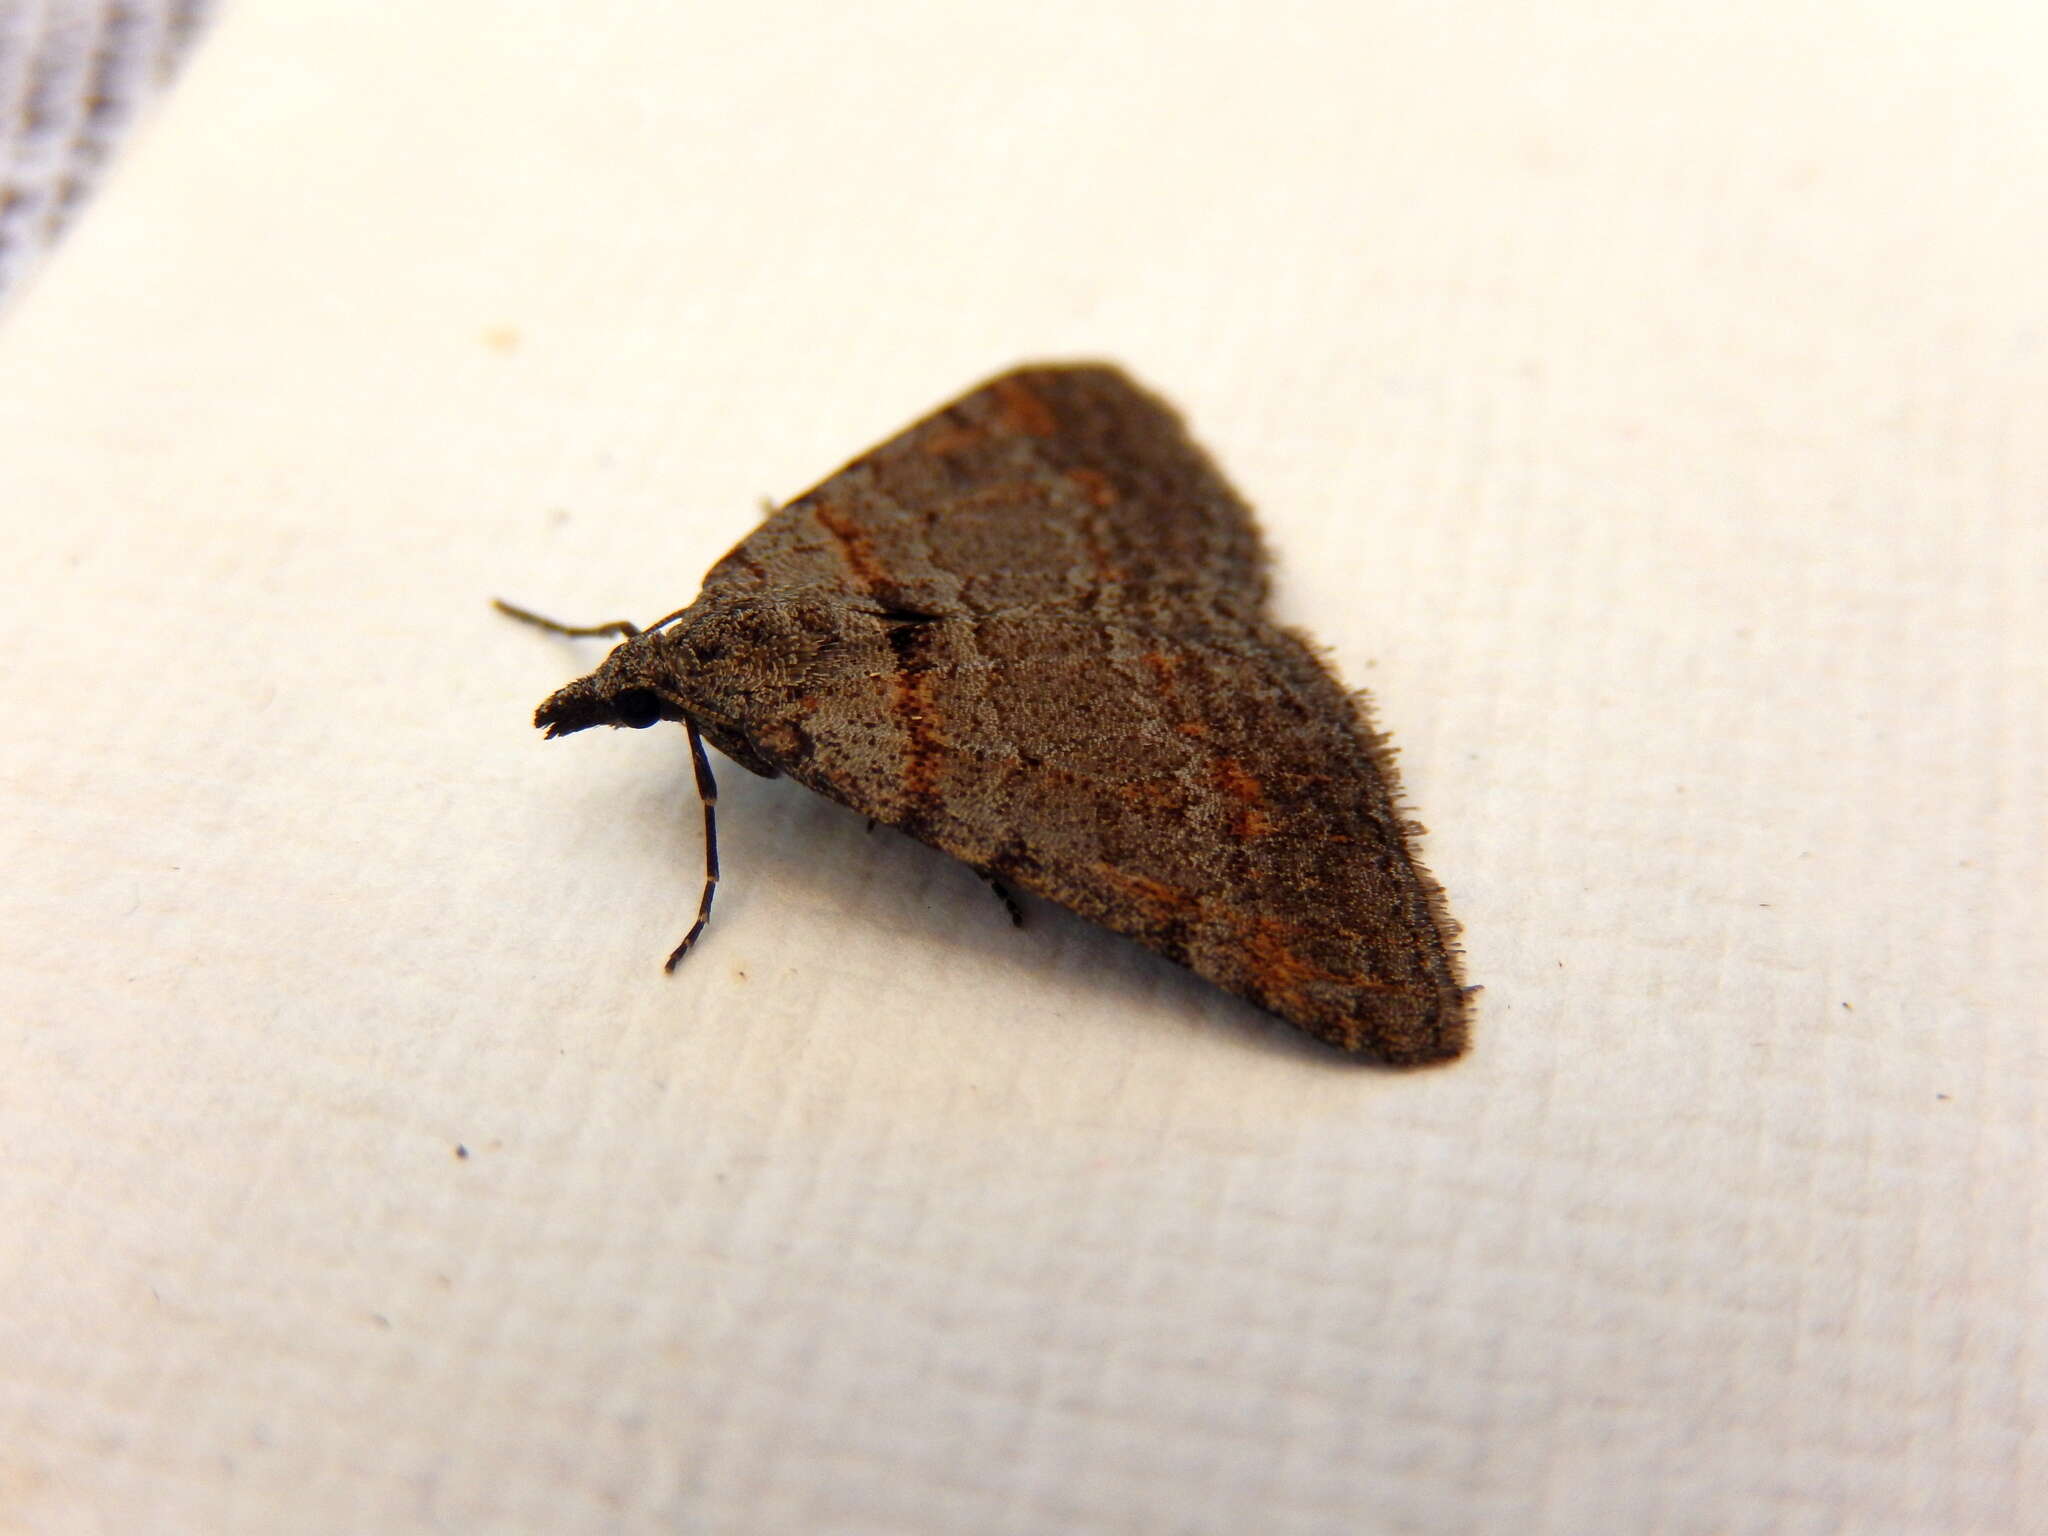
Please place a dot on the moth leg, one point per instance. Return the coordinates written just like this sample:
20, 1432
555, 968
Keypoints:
625, 627
707, 791
1003, 895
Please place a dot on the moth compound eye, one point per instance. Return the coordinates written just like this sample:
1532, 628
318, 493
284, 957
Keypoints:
637, 708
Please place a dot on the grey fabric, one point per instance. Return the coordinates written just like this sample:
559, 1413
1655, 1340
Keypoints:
73, 76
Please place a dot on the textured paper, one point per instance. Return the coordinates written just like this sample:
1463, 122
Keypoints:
1644, 401
74, 76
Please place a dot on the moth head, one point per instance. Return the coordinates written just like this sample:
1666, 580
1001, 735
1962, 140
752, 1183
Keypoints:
628, 691
752, 648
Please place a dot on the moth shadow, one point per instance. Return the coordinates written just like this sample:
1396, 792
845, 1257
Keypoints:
775, 834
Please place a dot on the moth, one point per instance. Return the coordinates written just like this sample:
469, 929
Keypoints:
1032, 632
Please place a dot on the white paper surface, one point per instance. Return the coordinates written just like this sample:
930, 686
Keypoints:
1645, 401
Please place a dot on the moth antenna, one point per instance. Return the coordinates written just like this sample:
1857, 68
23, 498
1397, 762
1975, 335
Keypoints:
707, 791
625, 627
667, 619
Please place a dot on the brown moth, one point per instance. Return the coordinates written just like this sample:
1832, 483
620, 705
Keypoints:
1031, 631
